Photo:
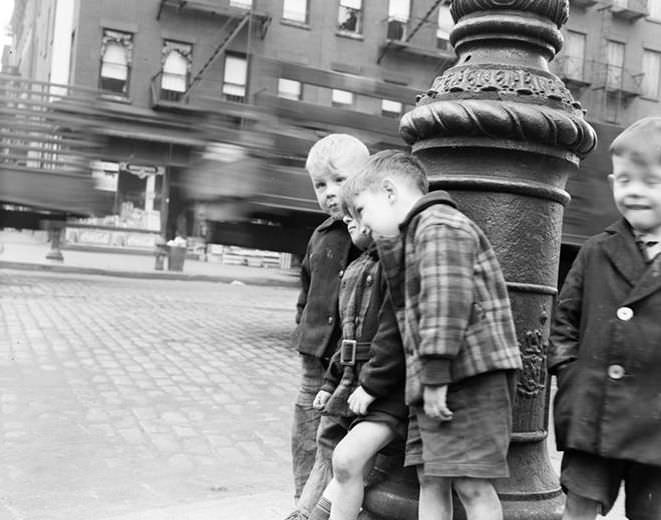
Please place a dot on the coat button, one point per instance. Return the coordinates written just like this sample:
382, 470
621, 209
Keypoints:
624, 313
330, 320
616, 371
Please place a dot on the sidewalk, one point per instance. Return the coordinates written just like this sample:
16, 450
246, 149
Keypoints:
27, 251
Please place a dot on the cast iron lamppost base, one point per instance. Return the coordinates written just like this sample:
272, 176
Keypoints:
501, 133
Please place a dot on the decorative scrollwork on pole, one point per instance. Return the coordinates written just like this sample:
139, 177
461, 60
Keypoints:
503, 120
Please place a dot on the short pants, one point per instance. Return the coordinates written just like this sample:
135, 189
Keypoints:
599, 479
476, 441
333, 429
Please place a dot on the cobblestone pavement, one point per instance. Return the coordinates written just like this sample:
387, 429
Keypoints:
122, 395
119, 397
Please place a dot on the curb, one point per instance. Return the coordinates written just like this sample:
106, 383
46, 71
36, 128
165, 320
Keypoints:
165, 275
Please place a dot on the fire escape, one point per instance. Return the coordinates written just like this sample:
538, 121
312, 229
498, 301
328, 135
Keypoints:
614, 85
400, 34
237, 15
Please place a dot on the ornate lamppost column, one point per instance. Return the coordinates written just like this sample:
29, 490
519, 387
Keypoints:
501, 133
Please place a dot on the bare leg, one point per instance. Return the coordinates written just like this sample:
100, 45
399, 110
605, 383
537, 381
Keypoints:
579, 508
351, 461
435, 501
479, 498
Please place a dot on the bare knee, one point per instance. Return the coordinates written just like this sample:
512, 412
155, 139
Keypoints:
473, 491
346, 465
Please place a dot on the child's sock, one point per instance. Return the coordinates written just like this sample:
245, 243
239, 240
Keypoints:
322, 510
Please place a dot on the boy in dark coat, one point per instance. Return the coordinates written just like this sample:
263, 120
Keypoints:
606, 345
330, 162
454, 314
363, 394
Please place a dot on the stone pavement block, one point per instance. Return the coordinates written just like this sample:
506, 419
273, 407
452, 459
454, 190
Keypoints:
131, 380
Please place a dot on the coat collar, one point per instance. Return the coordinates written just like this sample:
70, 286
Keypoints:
430, 199
622, 251
328, 224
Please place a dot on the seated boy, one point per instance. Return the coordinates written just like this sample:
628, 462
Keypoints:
363, 393
454, 314
606, 345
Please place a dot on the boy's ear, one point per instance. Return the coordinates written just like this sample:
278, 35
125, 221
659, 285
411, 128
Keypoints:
611, 180
389, 187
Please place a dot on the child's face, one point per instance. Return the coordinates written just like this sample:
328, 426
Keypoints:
360, 236
376, 212
637, 192
327, 184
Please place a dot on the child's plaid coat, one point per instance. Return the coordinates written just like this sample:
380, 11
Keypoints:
450, 297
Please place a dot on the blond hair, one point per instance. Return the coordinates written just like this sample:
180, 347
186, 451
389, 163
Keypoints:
335, 152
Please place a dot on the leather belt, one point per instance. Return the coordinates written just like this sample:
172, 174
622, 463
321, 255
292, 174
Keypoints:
352, 352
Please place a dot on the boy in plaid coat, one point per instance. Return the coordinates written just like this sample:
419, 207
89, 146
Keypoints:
454, 314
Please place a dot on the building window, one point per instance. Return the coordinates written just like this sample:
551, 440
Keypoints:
176, 66
445, 25
391, 108
341, 98
615, 64
651, 70
350, 16
399, 12
116, 52
290, 89
654, 8
235, 78
243, 4
575, 55
295, 10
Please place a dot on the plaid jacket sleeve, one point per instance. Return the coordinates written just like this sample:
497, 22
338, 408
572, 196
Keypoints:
446, 257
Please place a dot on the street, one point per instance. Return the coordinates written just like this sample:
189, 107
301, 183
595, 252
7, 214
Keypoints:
130, 399
120, 396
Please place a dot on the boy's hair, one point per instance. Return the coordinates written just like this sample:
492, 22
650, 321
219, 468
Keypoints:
640, 141
379, 166
335, 151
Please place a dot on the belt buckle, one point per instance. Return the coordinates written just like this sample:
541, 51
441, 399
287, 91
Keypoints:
346, 345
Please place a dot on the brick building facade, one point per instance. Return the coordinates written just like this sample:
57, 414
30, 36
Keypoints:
160, 67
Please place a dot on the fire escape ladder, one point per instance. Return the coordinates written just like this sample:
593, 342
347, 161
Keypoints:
422, 21
602, 69
222, 47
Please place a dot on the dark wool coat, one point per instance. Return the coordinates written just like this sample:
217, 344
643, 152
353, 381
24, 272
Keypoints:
450, 297
329, 251
367, 316
606, 349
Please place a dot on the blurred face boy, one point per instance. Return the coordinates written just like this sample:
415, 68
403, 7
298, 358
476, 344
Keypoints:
636, 177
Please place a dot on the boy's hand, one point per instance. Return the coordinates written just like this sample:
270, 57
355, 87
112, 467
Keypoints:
320, 399
435, 400
359, 401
